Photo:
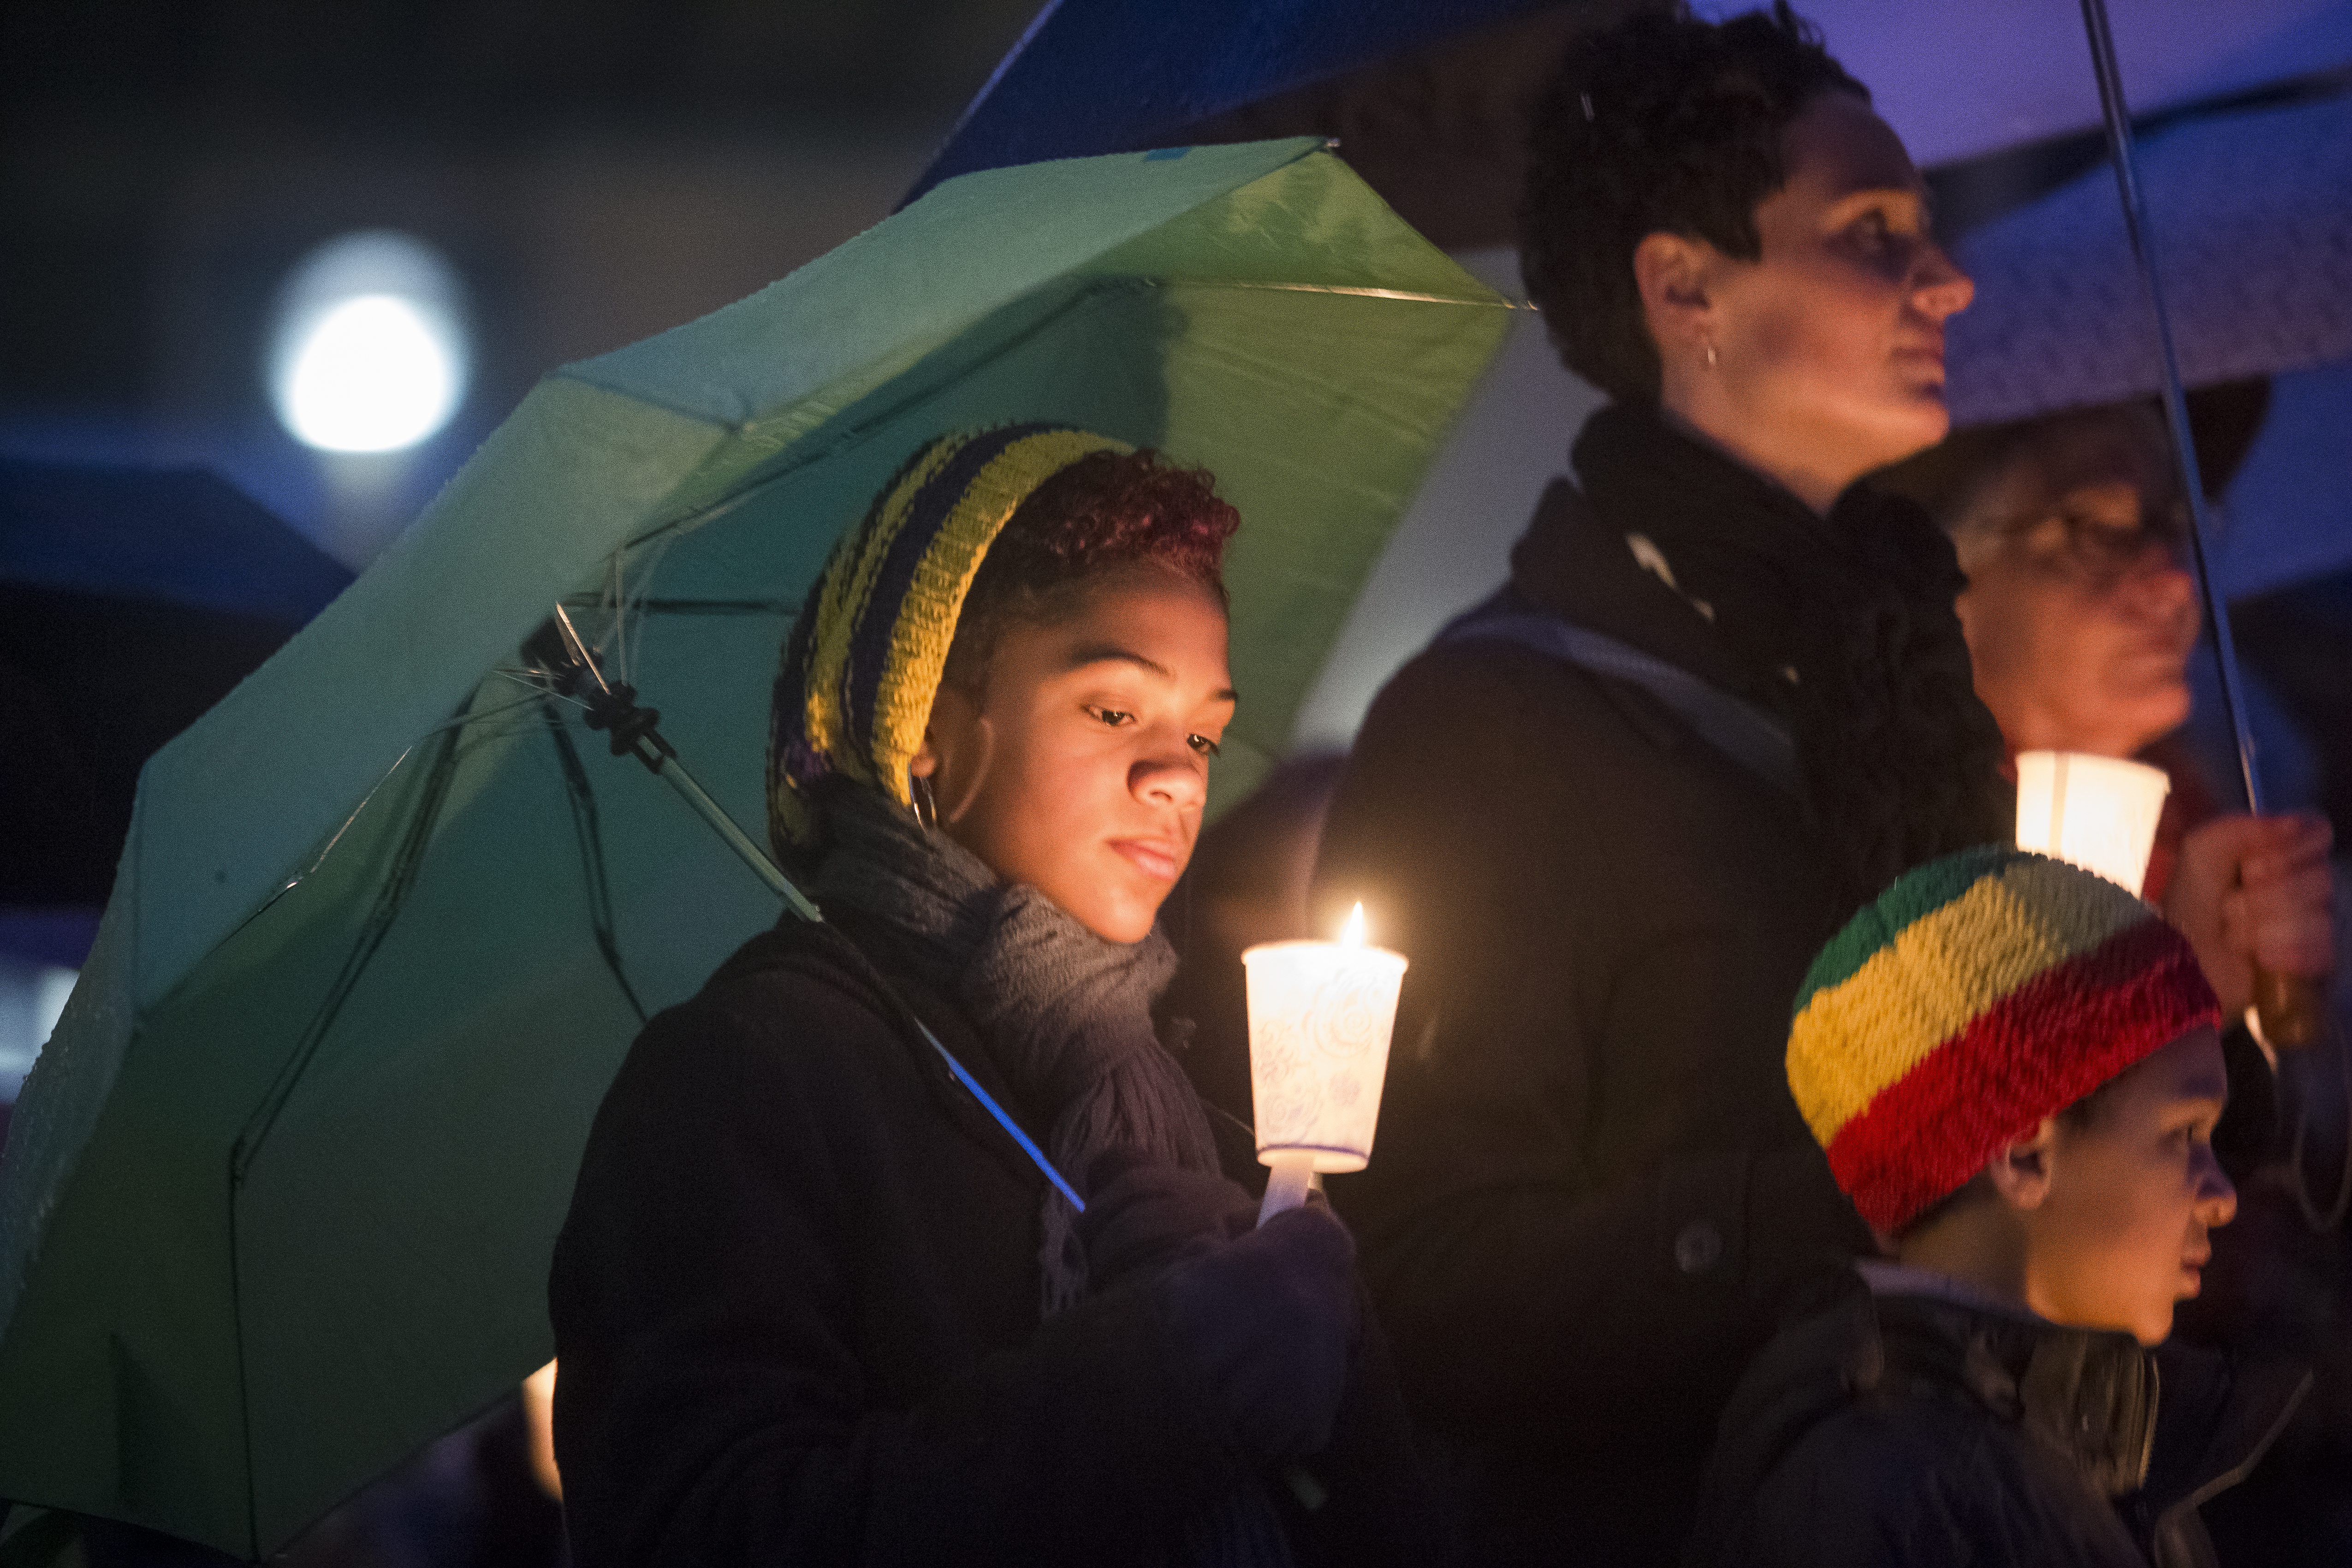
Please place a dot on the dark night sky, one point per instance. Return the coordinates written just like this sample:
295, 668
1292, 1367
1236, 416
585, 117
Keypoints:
112, 112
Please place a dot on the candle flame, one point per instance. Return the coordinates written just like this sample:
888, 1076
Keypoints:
1352, 933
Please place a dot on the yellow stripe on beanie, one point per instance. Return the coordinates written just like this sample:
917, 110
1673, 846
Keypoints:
847, 587
1977, 994
864, 662
934, 601
1939, 973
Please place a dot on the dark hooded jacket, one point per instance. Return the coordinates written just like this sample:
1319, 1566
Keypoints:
1592, 1198
797, 1311
1916, 1431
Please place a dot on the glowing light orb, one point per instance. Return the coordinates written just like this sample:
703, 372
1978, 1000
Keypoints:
375, 375
370, 354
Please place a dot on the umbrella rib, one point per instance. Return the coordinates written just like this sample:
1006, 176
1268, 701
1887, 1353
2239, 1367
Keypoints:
530, 679
587, 829
1406, 296
244, 1387
620, 619
459, 723
336, 838
715, 607
256, 1128
406, 863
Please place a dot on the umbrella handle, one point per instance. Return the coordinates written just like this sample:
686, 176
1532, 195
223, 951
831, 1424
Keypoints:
559, 650
667, 765
2290, 1009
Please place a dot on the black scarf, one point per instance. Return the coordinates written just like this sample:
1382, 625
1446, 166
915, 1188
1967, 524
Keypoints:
1066, 1015
1902, 761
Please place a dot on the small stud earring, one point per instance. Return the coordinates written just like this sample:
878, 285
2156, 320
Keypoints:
1710, 356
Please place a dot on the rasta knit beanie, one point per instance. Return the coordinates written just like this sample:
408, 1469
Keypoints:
1977, 995
864, 661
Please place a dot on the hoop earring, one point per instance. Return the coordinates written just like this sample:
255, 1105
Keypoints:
927, 806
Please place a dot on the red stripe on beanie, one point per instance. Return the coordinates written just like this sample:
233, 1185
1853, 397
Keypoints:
1926, 1134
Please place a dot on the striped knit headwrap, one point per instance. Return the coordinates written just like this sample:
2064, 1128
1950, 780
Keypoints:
1980, 993
864, 659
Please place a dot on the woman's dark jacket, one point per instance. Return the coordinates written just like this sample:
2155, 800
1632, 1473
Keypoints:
1907, 1431
1592, 1196
796, 1307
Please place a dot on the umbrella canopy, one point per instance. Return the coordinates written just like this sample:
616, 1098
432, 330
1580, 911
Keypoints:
2250, 216
130, 601
1431, 103
1429, 98
279, 1199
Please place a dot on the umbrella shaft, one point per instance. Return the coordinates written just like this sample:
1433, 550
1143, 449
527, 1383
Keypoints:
2176, 406
658, 756
711, 812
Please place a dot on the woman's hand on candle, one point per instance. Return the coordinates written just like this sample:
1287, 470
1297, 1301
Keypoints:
1141, 1215
1266, 1327
2255, 890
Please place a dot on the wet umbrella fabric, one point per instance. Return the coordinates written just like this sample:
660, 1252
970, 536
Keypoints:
279, 1198
1430, 98
1431, 103
1207, 58
2250, 216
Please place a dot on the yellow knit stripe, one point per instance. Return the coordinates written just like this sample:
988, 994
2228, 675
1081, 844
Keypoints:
1855, 1040
848, 592
928, 615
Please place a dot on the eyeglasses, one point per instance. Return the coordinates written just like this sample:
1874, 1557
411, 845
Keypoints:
2099, 550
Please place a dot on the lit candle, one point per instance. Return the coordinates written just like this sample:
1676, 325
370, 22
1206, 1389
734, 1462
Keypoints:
2099, 812
1320, 1015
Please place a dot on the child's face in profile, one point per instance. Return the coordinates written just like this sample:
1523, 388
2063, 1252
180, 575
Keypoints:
1082, 768
2119, 1235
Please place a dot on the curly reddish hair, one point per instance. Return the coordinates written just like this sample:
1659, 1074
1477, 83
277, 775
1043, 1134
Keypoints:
1105, 514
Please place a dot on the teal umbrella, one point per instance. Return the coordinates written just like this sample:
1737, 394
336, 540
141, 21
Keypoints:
278, 1203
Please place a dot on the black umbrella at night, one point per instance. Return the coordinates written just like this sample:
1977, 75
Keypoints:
130, 601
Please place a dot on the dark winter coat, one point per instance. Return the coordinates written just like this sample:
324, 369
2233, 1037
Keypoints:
796, 1309
1911, 1431
1592, 1189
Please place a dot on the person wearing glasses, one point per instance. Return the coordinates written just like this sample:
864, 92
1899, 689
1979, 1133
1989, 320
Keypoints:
2080, 617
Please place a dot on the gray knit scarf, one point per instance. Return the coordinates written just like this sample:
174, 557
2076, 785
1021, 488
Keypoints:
1066, 1015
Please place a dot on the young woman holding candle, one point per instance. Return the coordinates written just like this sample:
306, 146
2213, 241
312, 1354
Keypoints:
812, 1303
1612, 815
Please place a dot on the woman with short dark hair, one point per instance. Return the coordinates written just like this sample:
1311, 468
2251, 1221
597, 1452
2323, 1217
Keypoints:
1613, 813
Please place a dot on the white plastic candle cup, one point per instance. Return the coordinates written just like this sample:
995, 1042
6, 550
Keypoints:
1320, 1016
2100, 813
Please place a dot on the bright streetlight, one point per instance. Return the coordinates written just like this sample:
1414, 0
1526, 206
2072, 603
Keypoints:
370, 352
